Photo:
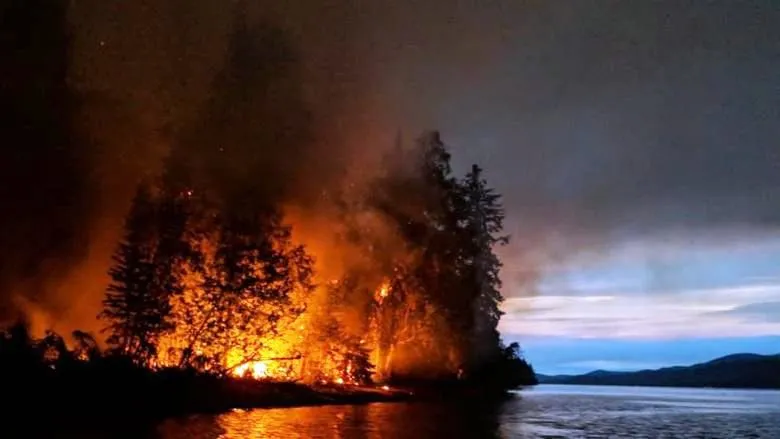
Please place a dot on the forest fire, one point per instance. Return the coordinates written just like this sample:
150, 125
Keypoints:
203, 290
216, 292
304, 344
234, 289
283, 369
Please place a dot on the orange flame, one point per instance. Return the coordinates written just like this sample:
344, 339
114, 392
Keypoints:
382, 292
256, 369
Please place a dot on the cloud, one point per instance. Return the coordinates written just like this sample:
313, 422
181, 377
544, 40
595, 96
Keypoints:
652, 120
728, 311
762, 311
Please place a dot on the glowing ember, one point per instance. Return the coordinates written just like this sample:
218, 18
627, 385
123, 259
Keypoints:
255, 369
382, 292
339, 380
385, 388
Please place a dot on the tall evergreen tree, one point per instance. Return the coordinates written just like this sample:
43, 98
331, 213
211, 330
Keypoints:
483, 220
450, 289
429, 300
133, 307
441, 271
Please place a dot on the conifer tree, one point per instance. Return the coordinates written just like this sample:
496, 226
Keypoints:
450, 288
431, 302
133, 310
483, 221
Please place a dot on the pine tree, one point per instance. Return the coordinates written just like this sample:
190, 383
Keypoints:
483, 222
424, 202
133, 308
452, 226
441, 271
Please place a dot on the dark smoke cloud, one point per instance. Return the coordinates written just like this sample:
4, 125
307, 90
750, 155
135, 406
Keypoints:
630, 117
44, 165
196, 78
254, 129
599, 121
594, 118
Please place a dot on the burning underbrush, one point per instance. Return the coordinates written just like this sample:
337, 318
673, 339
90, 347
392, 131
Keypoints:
310, 346
44, 377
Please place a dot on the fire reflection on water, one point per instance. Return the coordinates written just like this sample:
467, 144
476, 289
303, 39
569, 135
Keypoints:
545, 411
371, 421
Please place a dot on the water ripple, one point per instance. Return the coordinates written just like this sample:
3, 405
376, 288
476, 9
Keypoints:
570, 412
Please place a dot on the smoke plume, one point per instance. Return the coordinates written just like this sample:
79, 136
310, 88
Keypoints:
597, 120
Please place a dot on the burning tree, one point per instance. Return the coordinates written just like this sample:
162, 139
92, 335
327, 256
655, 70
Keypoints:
437, 314
422, 319
205, 282
242, 297
335, 350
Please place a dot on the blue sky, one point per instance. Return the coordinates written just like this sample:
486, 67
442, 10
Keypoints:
562, 355
649, 304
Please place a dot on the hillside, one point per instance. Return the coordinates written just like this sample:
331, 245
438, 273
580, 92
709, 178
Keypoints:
733, 371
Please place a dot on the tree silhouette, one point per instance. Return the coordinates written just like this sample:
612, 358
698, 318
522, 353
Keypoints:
483, 225
428, 313
443, 305
134, 310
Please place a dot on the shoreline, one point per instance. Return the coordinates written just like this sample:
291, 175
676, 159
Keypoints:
287, 395
151, 400
206, 396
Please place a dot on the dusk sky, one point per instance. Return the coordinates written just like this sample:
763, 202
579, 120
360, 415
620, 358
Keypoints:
636, 143
637, 148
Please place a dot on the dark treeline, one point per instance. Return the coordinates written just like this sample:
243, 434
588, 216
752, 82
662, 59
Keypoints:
208, 278
79, 386
745, 371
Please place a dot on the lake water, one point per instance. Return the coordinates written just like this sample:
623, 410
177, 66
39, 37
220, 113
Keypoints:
543, 412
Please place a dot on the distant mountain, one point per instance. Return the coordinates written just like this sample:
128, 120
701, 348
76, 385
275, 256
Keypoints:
750, 371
